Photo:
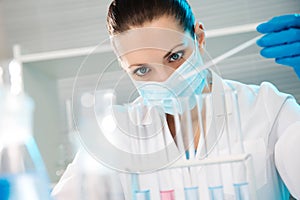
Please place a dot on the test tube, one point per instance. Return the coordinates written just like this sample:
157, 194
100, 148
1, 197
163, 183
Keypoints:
213, 172
165, 184
133, 111
215, 185
216, 192
184, 125
241, 191
233, 128
137, 193
166, 190
134, 185
167, 194
240, 182
142, 195
191, 193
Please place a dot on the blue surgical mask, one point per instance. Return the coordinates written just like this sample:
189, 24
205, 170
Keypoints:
186, 81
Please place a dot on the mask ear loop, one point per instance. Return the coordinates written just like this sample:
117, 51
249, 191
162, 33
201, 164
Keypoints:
207, 57
201, 48
214, 68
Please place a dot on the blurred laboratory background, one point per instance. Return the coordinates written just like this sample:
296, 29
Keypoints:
54, 38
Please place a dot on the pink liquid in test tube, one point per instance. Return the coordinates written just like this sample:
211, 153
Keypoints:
167, 195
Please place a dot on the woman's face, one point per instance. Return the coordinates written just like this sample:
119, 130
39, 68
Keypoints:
152, 52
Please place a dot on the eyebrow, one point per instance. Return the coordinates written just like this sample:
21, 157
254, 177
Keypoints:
167, 54
181, 44
137, 64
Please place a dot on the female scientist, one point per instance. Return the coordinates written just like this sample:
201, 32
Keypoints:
270, 120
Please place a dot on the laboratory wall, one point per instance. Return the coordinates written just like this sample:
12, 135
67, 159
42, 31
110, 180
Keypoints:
47, 125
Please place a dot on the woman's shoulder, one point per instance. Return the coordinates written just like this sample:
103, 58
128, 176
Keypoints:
263, 98
250, 94
265, 91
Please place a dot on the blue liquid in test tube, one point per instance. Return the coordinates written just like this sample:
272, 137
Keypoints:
142, 195
241, 191
216, 193
191, 193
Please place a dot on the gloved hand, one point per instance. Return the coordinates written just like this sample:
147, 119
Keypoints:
282, 40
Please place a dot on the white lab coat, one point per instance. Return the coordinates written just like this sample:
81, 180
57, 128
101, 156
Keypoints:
270, 123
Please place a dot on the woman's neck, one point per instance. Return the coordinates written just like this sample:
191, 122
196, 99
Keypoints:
195, 122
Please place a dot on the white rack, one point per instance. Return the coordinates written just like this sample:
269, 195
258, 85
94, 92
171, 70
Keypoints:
211, 161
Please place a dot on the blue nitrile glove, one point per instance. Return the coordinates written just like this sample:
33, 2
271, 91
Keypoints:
4, 189
282, 40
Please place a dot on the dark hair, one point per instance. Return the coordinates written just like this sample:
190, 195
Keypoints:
125, 13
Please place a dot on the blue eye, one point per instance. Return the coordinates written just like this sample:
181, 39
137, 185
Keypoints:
176, 56
141, 71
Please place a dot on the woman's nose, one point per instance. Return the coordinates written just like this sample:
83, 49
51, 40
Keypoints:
163, 73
